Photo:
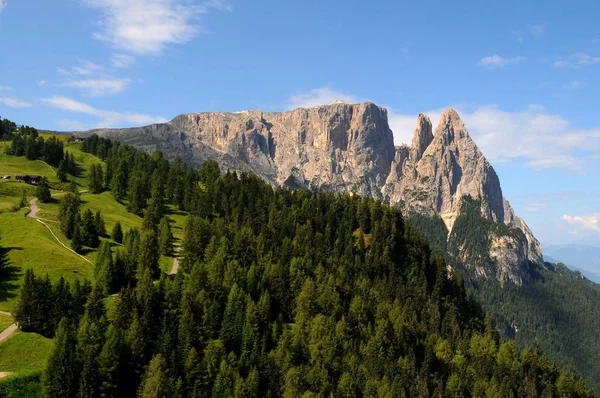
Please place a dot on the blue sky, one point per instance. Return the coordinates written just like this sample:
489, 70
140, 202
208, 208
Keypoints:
523, 75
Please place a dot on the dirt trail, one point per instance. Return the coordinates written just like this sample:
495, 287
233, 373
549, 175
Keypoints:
33, 214
175, 266
7, 332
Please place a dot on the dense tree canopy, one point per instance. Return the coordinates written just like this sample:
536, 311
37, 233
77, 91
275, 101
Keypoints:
282, 293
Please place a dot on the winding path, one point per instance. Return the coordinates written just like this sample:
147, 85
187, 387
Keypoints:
33, 214
6, 333
175, 266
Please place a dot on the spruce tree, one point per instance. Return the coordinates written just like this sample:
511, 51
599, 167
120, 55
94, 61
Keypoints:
157, 383
105, 269
42, 191
149, 254
165, 237
111, 365
61, 375
117, 233
26, 314
99, 224
88, 229
61, 173
77, 240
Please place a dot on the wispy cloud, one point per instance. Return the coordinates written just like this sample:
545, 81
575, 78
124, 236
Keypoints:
537, 30
577, 61
84, 68
15, 102
574, 84
107, 118
5, 88
122, 60
496, 61
532, 137
92, 79
583, 223
146, 27
2, 4
99, 87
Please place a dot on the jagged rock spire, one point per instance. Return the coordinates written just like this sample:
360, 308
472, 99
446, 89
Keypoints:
422, 138
451, 127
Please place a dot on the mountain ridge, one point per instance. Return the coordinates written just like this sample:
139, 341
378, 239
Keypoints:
349, 148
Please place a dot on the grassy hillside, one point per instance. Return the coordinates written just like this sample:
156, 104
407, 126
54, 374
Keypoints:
26, 243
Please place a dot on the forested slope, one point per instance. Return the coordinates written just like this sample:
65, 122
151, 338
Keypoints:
288, 293
556, 308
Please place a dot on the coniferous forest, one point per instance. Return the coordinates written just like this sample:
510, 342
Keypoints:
279, 293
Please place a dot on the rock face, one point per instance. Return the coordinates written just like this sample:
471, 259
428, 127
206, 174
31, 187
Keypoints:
349, 148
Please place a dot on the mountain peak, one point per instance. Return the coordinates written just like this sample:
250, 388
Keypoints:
422, 137
451, 127
349, 148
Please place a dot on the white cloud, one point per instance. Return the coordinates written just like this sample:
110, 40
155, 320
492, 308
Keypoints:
146, 27
582, 223
15, 102
122, 61
577, 61
85, 68
537, 30
107, 118
496, 61
518, 36
574, 84
533, 136
99, 87
41, 82
95, 80
70, 125
5, 88
3, 4
319, 96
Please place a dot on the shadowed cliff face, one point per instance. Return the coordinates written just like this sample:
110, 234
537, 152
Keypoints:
349, 148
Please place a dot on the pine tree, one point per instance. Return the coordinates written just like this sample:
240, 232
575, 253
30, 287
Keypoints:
165, 237
42, 191
96, 179
61, 375
89, 232
61, 173
105, 269
90, 339
157, 383
100, 225
26, 314
111, 364
77, 240
149, 254
137, 197
117, 233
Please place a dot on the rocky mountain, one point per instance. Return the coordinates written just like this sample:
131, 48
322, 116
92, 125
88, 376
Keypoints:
349, 148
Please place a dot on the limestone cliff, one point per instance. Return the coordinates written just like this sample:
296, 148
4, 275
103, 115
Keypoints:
349, 148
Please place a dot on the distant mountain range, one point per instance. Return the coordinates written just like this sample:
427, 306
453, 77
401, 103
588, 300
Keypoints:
585, 259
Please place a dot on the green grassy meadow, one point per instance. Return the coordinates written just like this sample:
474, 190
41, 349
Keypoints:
26, 243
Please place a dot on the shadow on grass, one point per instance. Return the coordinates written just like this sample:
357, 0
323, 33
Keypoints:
9, 275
